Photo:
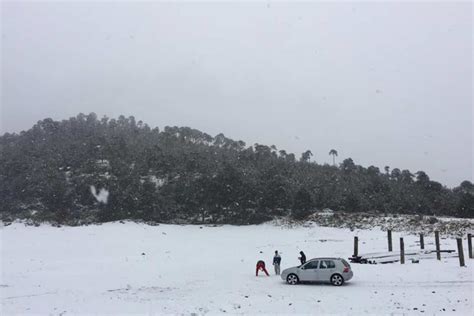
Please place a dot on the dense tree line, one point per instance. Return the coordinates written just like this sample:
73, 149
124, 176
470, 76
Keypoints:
54, 170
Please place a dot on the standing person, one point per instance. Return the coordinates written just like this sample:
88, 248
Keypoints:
302, 258
276, 262
261, 267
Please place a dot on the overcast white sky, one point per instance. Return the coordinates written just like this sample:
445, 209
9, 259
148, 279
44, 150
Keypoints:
386, 84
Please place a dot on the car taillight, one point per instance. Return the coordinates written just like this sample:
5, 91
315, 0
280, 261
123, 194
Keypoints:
346, 269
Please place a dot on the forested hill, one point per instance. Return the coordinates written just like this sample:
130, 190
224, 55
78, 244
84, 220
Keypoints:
87, 169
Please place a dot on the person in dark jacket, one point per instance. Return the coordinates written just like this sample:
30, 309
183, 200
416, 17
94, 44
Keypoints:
302, 258
276, 262
261, 267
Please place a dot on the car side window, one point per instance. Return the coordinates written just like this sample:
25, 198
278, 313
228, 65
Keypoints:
311, 265
327, 264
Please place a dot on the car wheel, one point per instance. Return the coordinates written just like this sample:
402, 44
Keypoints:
337, 280
292, 279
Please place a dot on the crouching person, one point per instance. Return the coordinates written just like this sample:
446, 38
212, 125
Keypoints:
261, 267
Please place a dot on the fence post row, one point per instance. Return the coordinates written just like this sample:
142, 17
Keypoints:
422, 246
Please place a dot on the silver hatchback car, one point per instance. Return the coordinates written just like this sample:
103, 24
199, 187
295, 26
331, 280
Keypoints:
333, 270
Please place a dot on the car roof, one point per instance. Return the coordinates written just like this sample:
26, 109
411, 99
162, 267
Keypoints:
325, 258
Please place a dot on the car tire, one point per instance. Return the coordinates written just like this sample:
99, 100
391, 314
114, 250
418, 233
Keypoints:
292, 279
337, 279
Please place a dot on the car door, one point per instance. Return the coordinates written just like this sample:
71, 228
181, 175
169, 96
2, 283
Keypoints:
326, 269
309, 271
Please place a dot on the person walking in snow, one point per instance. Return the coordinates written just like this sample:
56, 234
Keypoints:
261, 267
302, 257
276, 262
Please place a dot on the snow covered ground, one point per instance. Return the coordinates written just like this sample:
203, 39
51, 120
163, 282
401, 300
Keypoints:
168, 269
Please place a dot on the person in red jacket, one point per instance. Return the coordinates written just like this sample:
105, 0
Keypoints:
261, 267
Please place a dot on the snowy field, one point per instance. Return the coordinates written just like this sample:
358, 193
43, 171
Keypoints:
168, 269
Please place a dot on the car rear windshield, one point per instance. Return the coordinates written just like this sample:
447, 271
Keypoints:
346, 264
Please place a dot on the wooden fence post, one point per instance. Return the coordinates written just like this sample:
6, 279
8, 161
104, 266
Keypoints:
469, 245
356, 246
460, 252
402, 251
438, 253
422, 241
389, 236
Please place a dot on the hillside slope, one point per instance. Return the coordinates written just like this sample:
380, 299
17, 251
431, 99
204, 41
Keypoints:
85, 170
